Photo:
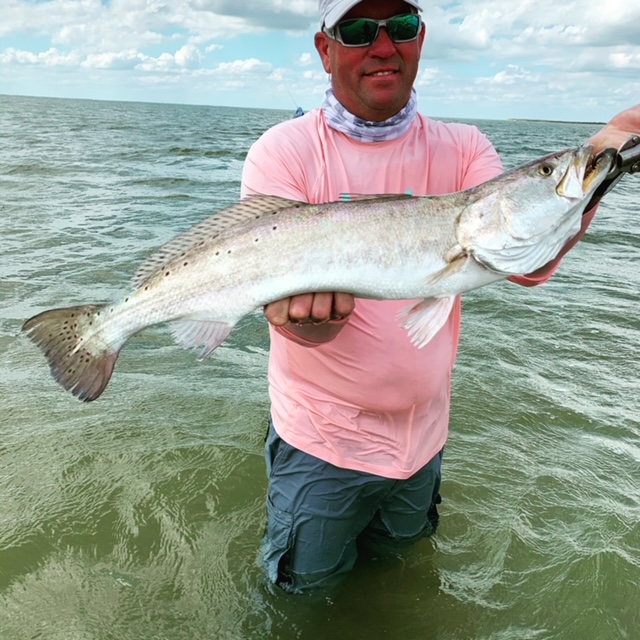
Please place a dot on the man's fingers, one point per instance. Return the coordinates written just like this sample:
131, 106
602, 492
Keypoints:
277, 313
300, 307
321, 307
310, 307
343, 305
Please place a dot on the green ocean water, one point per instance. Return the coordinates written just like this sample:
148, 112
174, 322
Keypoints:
139, 516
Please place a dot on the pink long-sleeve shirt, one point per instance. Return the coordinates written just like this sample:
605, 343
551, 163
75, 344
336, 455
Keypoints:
368, 400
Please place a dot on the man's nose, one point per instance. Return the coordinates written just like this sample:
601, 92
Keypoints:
383, 46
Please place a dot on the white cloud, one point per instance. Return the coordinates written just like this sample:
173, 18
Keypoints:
128, 59
164, 63
510, 76
428, 76
50, 58
252, 65
188, 56
625, 60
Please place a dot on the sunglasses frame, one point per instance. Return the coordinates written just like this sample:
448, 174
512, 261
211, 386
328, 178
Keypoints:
334, 32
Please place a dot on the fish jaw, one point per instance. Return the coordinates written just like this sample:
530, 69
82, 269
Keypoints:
585, 174
597, 171
571, 187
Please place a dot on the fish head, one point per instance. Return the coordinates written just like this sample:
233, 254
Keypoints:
520, 221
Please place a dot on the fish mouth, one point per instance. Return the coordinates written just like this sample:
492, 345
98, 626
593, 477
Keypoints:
596, 167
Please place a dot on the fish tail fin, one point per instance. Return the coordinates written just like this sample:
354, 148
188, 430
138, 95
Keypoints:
81, 366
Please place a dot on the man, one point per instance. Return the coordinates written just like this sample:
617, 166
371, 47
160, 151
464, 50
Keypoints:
359, 415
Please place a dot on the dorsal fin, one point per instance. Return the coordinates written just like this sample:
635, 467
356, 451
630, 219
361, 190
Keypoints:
209, 229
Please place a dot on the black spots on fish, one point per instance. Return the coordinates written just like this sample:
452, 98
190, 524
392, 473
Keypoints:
82, 357
274, 228
185, 264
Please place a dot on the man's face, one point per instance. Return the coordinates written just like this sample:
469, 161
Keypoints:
372, 82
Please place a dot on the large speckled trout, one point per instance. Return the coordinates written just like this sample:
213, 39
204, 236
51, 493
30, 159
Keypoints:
384, 247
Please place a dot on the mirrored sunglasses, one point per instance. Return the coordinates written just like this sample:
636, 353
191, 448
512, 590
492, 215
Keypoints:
361, 32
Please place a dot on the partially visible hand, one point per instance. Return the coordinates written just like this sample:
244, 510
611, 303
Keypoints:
618, 130
310, 308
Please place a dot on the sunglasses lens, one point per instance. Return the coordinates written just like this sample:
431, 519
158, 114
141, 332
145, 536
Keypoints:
357, 33
363, 31
403, 28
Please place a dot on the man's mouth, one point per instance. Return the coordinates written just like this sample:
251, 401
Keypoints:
378, 74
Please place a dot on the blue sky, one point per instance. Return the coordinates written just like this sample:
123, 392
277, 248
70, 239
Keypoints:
502, 59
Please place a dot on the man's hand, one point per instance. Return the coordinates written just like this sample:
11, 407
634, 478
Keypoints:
309, 315
618, 131
310, 308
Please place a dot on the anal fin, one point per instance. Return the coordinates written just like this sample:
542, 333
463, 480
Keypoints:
192, 334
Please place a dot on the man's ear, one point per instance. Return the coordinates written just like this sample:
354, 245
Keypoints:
321, 40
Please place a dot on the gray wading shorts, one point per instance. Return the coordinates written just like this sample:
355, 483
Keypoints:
319, 515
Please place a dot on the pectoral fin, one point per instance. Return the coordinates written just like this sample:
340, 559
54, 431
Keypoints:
426, 318
456, 260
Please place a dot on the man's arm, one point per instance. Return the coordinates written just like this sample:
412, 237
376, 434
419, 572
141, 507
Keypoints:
275, 166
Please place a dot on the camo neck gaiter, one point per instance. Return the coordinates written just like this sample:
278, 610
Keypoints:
340, 119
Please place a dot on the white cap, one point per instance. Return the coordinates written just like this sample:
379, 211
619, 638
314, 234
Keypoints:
332, 10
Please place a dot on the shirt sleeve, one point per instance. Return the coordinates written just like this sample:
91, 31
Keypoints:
482, 162
274, 166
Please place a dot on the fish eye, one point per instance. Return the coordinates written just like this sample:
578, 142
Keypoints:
545, 169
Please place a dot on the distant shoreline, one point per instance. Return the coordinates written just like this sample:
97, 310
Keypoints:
554, 121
